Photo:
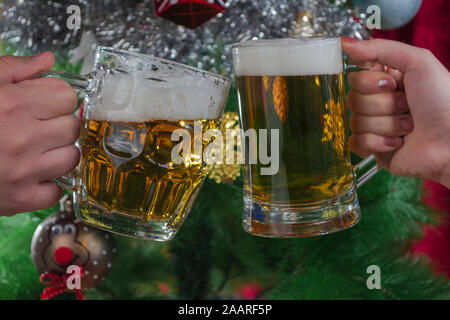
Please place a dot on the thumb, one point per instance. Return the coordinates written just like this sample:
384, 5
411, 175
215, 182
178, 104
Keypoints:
393, 54
14, 69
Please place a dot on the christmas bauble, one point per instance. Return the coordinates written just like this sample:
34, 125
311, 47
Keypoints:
61, 241
394, 13
188, 13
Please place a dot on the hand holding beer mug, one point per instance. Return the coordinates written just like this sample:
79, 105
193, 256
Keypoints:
295, 87
126, 181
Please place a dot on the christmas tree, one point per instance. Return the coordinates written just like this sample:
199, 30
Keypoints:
211, 256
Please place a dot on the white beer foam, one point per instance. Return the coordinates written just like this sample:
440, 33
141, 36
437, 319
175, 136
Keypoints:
288, 57
135, 98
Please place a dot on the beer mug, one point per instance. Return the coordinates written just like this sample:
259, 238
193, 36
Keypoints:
126, 181
296, 87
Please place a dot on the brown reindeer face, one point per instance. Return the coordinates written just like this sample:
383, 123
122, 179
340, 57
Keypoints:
64, 248
61, 241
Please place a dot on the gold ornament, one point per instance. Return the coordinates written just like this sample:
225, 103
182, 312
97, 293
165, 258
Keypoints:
303, 27
280, 97
223, 172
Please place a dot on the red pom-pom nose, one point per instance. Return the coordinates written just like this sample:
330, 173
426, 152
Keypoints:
63, 255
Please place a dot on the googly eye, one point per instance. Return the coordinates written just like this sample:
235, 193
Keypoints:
57, 229
69, 228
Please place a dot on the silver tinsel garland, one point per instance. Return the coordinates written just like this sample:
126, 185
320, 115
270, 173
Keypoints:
33, 26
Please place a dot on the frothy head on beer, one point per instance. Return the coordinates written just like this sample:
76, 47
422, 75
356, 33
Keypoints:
288, 57
182, 93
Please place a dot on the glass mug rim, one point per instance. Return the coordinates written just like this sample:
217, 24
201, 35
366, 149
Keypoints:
101, 49
288, 41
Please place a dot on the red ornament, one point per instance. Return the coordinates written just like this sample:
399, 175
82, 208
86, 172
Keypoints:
250, 290
188, 13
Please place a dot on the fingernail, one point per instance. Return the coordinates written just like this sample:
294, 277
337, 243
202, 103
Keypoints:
406, 124
39, 56
387, 84
350, 40
392, 141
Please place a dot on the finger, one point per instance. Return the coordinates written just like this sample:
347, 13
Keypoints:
58, 162
380, 104
365, 144
59, 132
396, 125
15, 69
390, 53
35, 197
47, 98
398, 78
44, 195
370, 82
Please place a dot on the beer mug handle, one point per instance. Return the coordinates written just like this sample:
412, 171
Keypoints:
84, 83
78, 82
365, 170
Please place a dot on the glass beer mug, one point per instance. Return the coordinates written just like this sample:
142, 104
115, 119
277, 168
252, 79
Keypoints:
296, 86
126, 181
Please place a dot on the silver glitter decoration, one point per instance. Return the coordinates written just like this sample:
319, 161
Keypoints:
335, 19
33, 26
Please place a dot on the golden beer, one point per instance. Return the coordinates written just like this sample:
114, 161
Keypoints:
296, 86
126, 167
309, 112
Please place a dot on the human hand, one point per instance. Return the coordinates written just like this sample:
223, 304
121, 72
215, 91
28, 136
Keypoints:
400, 108
37, 131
